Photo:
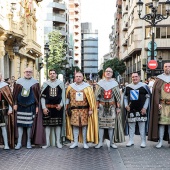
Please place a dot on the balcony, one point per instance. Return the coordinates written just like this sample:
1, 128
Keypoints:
119, 3
77, 2
77, 9
59, 5
118, 15
57, 17
161, 43
125, 26
60, 29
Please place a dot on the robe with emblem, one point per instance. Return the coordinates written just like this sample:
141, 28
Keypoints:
7, 120
107, 94
161, 116
86, 94
27, 108
54, 93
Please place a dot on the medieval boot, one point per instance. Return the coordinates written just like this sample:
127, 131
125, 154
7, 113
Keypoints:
161, 134
47, 134
100, 144
84, 130
76, 134
58, 136
131, 134
4, 134
29, 138
111, 132
142, 134
20, 132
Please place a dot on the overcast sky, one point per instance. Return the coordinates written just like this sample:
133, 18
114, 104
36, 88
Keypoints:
101, 15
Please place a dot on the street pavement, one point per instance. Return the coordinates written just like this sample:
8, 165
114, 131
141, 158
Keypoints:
123, 158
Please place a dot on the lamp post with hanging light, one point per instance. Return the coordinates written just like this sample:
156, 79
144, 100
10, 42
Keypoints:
46, 51
153, 18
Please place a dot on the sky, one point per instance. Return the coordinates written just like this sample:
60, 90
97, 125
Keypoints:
101, 14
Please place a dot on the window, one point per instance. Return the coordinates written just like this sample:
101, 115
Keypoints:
168, 32
148, 33
158, 33
163, 32
163, 9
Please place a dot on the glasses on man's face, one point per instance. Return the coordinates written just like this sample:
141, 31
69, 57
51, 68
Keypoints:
28, 72
109, 71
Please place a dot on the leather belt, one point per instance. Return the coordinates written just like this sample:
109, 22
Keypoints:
165, 101
51, 106
79, 107
107, 103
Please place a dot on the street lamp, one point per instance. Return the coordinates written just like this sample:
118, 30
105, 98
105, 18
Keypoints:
15, 47
153, 18
46, 51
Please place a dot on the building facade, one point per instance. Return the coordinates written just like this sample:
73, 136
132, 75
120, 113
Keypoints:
135, 34
89, 50
20, 37
75, 31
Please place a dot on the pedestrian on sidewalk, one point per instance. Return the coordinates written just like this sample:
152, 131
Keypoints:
26, 105
137, 105
108, 101
6, 115
53, 105
82, 122
160, 108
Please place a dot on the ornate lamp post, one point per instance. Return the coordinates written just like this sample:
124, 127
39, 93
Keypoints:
153, 18
46, 51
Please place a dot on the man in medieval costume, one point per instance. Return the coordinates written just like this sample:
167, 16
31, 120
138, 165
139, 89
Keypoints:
53, 104
159, 126
6, 115
81, 112
26, 104
108, 101
137, 104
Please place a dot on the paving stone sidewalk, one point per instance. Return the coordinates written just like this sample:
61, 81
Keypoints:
123, 158
53, 158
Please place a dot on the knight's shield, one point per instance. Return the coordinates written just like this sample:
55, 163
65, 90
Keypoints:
167, 87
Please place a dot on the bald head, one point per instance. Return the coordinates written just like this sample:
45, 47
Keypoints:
167, 68
28, 72
108, 73
79, 77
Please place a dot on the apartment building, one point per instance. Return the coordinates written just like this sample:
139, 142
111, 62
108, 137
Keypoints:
135, 34
75, 30
89, 50
20, 36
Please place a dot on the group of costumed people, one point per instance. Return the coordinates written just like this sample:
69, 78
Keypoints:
49, 116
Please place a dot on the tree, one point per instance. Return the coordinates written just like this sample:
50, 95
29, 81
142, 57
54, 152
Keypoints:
100, 73
118, 66
57, 48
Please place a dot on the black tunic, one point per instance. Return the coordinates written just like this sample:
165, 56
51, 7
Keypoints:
136, 105
55, 116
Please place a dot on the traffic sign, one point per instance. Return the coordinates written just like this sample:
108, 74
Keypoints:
150, 45
149, 53
152, 64
149, 58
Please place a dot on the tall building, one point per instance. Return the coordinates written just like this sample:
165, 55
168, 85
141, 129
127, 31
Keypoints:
56, 18
75, 30
135, 34
89, 50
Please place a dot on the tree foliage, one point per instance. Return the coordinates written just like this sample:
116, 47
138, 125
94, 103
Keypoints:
118, 66
57, 51
100, 73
